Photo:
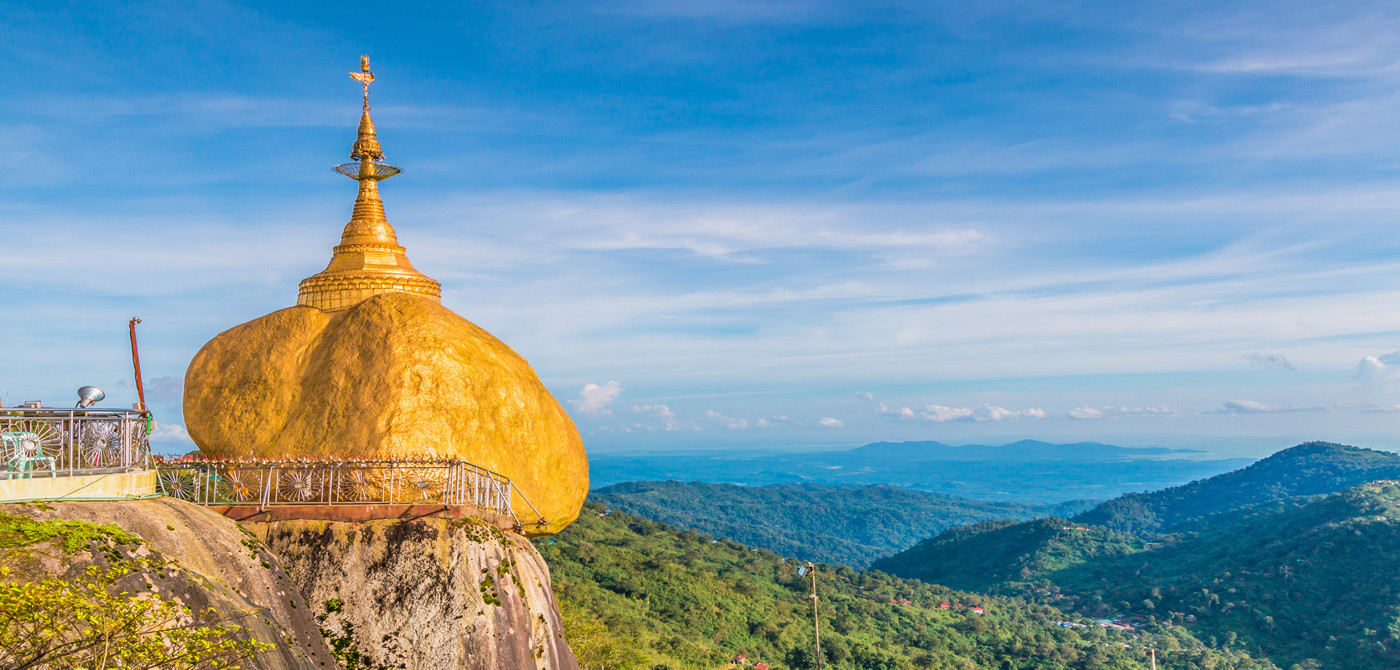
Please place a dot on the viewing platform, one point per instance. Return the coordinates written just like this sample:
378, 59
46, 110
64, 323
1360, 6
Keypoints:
74, 454
105, 454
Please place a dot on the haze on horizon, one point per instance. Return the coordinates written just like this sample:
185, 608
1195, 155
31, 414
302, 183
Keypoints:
722, 224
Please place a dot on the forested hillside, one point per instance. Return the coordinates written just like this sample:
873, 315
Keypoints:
1007, 557
848, 525
1307, 469
643, 595
1305, 580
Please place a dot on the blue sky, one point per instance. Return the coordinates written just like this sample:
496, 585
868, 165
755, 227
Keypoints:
722, 224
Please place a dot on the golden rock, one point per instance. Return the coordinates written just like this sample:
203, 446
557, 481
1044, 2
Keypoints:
370, 365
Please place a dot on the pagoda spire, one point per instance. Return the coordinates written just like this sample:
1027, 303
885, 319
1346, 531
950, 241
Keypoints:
369, 260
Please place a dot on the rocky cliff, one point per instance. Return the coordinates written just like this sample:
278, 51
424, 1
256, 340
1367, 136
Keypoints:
425, 593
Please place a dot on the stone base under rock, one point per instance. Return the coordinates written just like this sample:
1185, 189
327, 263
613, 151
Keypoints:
427, 593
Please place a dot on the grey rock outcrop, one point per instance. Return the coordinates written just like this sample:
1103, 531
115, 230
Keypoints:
425, 593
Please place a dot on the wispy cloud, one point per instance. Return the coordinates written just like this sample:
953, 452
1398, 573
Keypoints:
594, 398
1085, 412
1270, 361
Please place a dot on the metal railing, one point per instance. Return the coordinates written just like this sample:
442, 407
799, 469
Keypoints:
267, 483
79, 441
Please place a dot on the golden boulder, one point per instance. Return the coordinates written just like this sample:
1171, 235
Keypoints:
396, 375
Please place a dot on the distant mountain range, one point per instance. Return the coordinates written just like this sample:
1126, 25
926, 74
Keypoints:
1294, 558
1307, 469
1025, 450
818, 522
1028, 472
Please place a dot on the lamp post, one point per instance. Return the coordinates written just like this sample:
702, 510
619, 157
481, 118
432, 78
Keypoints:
811, 569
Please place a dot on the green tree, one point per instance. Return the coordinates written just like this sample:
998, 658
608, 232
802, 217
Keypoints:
90, 623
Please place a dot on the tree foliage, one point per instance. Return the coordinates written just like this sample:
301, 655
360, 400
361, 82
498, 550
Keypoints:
1303, 581
102, 616
91, 623
1308, 469
834, 524
683, 599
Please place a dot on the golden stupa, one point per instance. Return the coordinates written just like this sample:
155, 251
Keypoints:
369, 364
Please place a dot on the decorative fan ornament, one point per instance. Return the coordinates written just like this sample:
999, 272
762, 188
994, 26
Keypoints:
361, 485
239, 485
102, 444
177, 484
423, 484
299, 485
50, 435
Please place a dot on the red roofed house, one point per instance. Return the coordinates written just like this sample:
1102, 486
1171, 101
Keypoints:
944, 605
977, 610
760, 666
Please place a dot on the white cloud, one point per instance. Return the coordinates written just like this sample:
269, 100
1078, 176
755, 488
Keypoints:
1245, 407
668, 418
828, 422
1085, 412
1270, 361
722, 420
985, 413
170, 432
901, 412
1253, 407
941, 413
593, 399
865, 395
1379, 374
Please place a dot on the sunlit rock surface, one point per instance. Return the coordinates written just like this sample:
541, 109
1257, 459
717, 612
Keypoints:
428, 593
395, 375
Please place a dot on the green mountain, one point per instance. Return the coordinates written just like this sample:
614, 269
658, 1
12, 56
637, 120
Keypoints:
834, 524
1307, 580
1007, 557
1307, 469
1296, 579
639, 594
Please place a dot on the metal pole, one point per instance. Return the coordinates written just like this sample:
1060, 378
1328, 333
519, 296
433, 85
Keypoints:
1153, 651
816, 627
136, 362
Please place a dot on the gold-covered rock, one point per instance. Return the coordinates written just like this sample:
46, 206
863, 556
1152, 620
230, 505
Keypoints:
396, 375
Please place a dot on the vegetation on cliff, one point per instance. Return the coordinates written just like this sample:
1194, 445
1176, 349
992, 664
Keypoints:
106, 615
819, 522
668, 598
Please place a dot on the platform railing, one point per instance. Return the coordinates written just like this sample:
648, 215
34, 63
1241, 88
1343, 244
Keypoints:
302, 482
79, 441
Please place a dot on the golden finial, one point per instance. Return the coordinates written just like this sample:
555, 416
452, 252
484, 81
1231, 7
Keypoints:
369, 260
365, 76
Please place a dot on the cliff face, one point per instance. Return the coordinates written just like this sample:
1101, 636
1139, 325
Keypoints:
217, 566
426, 593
